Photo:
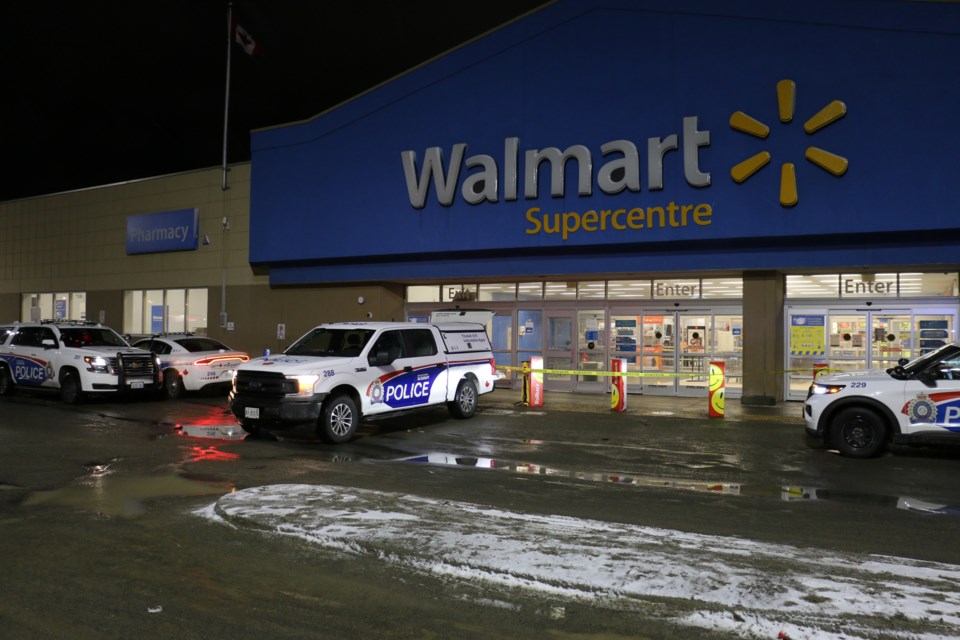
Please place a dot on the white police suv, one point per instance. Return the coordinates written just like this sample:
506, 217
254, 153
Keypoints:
74, 358
860, 412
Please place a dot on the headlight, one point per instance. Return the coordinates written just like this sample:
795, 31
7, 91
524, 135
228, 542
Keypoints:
97, 364
817, 389
301, 385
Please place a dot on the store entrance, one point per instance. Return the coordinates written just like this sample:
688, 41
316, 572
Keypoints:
850, 339
673, 348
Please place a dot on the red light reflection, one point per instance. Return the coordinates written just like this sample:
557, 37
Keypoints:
207, 454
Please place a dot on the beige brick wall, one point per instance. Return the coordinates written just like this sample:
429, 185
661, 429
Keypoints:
76, 241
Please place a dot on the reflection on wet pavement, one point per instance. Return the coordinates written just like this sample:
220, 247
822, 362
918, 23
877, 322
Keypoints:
106, 492
785, 493
218, 431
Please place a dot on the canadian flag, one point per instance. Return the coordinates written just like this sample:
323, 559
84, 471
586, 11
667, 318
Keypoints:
243, 38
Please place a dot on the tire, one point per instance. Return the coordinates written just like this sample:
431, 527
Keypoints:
249, 427
338, 420
172, 385
464, 403
6, 381
859, 432
70, 390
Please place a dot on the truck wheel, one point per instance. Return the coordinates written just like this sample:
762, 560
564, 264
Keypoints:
172, 384
859, 432
338, 420
464, 403
70, 389
6, 381
249, 427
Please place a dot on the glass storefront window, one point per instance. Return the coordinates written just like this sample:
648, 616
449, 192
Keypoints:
498, 292
873, 285
196, 311
165, 311
176, 311
928, 285
592, 290
627, 289
530, 291
429, 293
35, 307
714, 288
560, 291
591, 344
819, 286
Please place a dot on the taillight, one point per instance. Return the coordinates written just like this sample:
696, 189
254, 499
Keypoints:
493, 367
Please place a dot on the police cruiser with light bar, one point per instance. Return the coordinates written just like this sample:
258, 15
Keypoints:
337, 374
860, 412
74, 358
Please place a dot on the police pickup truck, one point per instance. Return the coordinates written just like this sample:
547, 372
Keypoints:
860, 412
74, 358
337, 374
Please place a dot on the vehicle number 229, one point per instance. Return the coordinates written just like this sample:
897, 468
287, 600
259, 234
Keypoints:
858, 385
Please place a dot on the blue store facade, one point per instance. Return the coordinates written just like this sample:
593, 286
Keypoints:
768, 184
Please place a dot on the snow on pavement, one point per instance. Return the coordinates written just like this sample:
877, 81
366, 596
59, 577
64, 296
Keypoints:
747, 588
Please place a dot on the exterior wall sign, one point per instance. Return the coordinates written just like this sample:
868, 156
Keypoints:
670, 289
531, 150
163, 232
868, 286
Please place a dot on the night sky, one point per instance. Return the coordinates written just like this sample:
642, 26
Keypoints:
102, 92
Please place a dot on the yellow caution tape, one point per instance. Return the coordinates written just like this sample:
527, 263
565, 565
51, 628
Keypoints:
638, 374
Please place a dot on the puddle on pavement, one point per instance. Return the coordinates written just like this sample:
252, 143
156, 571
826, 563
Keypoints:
105, 493
785, 493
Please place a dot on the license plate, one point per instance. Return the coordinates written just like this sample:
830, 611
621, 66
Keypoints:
136, 385
251, 412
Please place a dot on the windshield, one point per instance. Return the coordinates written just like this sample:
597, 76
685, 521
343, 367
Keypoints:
91, 337
324, 342
911, 369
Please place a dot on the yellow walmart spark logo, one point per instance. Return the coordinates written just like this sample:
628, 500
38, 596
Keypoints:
786, 96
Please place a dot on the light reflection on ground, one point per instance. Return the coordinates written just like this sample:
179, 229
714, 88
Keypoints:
784, 493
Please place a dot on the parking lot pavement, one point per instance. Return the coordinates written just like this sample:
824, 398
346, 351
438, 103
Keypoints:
637, 404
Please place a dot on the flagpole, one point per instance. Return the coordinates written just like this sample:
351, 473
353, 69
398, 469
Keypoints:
226, 99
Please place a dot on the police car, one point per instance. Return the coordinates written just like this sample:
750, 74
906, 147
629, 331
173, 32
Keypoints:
74, 358
861, 412
192, 363
336, 374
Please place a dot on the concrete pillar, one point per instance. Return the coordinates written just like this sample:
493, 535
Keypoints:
763, 360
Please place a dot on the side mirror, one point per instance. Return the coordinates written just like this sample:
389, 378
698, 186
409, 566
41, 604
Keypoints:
379, 359
49, 343
928, 377
902, 362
